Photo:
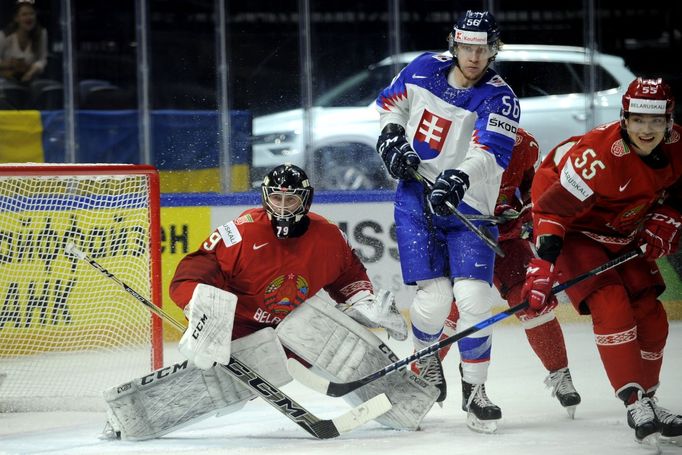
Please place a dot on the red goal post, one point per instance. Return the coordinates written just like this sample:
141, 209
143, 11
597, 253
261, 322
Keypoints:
66, 332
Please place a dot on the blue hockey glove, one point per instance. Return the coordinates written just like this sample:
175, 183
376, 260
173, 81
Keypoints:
399, 157
450, 186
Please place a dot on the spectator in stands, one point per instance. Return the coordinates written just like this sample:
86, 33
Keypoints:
23, 45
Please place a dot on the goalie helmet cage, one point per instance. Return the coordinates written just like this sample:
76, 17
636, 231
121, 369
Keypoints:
66, 334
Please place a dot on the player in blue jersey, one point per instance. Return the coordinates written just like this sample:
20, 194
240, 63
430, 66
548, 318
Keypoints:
452, 119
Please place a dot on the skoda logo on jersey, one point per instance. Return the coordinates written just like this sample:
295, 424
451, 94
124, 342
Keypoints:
430, 135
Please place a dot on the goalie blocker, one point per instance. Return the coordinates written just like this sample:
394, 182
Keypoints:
345, 350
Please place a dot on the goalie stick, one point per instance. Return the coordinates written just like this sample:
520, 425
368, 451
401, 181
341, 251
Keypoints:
471, 226
339, 389
319, 428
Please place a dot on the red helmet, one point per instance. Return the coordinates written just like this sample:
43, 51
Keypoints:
648, 96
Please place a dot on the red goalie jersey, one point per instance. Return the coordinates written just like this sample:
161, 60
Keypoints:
596, 185
270, 276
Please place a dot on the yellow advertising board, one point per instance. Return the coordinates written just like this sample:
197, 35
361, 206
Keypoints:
182, 231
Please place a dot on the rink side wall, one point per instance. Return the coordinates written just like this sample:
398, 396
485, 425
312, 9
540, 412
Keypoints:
366, 217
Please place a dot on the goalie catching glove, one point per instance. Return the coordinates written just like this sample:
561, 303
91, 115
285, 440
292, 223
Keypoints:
376, 311
209, 333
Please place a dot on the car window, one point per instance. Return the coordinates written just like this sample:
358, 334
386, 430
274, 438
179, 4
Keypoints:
358, 90
529, 79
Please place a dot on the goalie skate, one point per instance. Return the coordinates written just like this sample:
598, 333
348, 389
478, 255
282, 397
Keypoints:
109, 433
482, 414
562, 388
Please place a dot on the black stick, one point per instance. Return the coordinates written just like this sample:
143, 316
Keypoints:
339, 389
319, 428
471, 226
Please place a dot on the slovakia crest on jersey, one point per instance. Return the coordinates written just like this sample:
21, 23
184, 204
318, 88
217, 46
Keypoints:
431, 134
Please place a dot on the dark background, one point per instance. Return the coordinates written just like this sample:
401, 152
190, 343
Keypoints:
264, 60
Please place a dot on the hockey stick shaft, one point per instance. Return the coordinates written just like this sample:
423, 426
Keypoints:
337, 389
471, 226
488, 218
499, 219
319, 428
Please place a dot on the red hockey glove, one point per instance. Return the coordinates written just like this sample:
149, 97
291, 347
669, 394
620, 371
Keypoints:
537, 290
661, 232
519, 225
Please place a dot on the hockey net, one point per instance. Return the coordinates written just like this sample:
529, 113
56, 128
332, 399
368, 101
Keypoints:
66, 332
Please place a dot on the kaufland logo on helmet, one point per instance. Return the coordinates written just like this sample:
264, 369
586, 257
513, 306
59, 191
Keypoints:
469, 37
640, 106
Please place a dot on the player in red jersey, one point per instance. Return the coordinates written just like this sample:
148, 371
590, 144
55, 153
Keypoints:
245, 279
272, 259
542, 330
598, 196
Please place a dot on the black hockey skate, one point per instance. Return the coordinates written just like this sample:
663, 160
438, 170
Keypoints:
482, 414
431, 370
562, 388
641, 416
669, 424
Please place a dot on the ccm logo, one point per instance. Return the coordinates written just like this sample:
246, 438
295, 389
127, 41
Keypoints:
124, 387
162, 373
666, 219
199, 327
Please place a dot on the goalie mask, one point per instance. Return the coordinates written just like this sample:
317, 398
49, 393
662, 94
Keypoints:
649, 96
287, 195
476, 28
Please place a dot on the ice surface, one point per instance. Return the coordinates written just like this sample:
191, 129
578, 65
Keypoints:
533, 422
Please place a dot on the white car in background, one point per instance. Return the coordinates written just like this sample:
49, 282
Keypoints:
549, 81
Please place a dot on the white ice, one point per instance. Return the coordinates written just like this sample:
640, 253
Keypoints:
533, 422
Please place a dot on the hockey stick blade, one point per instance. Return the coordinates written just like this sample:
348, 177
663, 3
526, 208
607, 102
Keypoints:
471, 226
363, 413
339, 389
319, 428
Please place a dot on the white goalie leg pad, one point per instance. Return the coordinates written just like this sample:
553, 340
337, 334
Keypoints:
344, 350
178, 395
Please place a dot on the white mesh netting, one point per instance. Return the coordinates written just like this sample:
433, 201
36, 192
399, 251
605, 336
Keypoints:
66, 331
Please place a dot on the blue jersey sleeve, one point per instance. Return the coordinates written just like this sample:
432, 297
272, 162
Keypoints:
497, 122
